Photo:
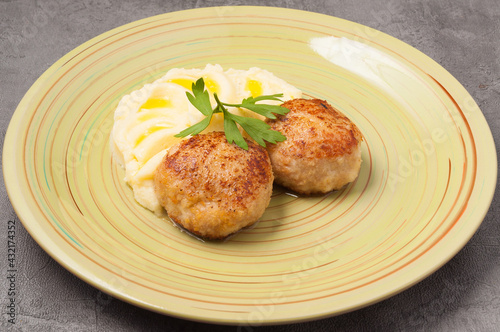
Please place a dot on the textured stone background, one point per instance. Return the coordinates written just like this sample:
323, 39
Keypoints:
463, 36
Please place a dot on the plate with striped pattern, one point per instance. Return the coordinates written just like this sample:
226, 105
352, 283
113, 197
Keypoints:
426, 182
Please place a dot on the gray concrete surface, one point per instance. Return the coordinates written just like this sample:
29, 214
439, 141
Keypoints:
463, 36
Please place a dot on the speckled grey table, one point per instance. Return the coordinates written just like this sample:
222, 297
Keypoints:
463, 36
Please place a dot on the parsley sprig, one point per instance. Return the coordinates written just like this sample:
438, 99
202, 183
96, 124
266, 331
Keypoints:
255, 128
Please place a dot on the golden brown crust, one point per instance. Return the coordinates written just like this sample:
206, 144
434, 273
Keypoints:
313, 123
213, 188
322, 147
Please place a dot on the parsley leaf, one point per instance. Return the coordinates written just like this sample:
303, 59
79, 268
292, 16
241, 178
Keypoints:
195, 129
255, 128
268, 111
201, 100
233, 134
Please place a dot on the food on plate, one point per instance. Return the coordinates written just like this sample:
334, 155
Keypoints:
214, 188
322, 150
205, 145
147, 120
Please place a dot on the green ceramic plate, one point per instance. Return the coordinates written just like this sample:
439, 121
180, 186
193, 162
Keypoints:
427, 178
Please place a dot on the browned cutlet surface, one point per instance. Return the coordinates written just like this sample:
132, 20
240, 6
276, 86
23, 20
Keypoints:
213, 188
322, 150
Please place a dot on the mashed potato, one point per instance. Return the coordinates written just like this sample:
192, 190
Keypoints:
147, 119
